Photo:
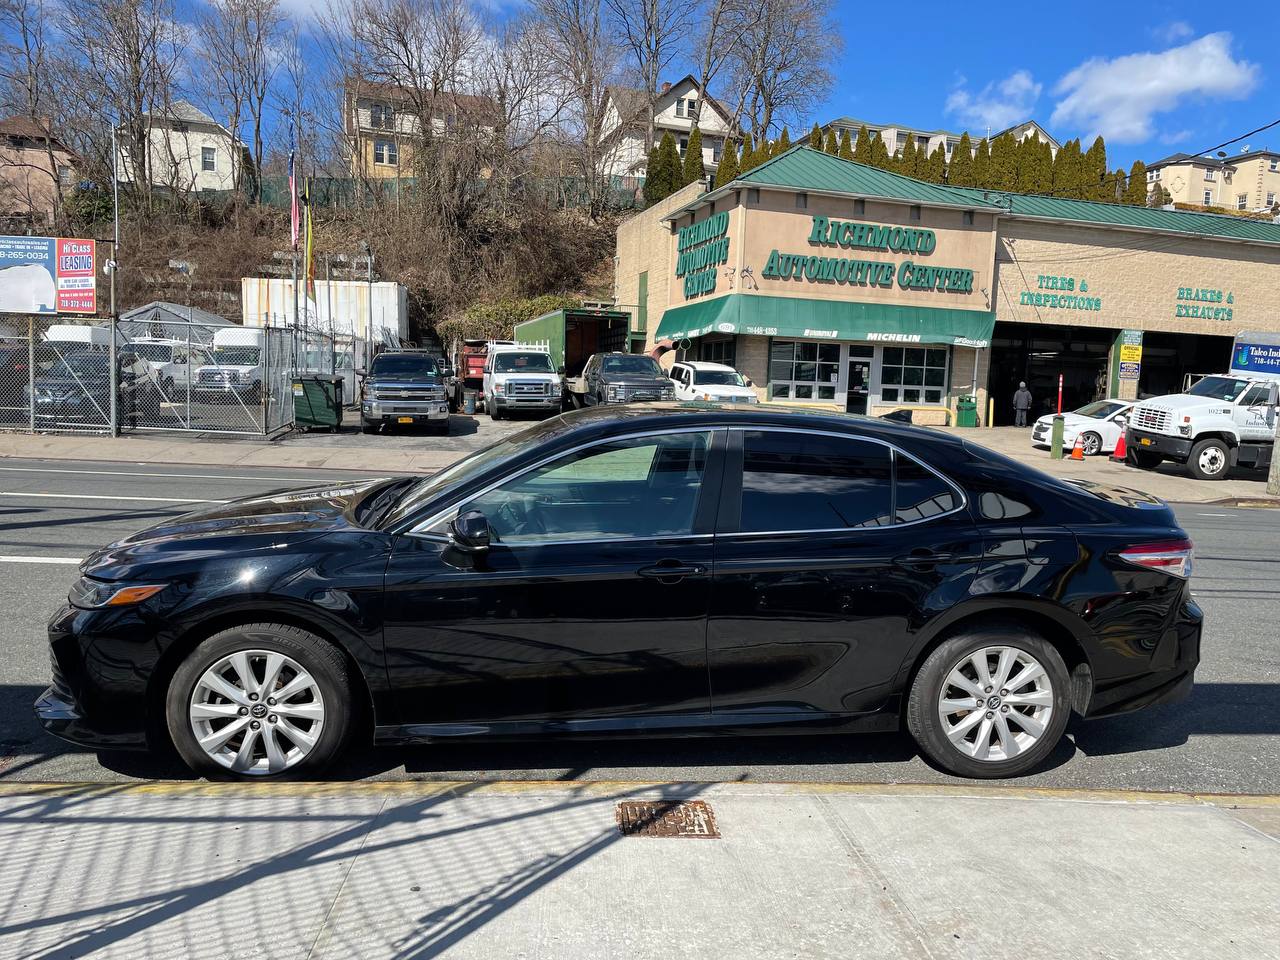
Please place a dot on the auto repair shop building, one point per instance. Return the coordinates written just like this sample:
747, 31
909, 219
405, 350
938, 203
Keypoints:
833, 283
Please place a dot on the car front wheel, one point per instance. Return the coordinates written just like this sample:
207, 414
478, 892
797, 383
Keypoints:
1210, 460
1091, 442
260, 700
990, 703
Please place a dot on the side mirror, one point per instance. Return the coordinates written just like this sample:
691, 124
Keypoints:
1273, 393
360, 372
1121, 420
469, 532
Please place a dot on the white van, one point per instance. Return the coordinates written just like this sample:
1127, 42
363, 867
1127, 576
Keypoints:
68, 338
173, 362
235, 366
520, 376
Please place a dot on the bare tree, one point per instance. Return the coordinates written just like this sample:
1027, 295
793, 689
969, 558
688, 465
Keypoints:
241, 38
653, 33
722, 22
779, 65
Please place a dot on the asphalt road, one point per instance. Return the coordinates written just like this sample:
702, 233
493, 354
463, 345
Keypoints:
1225, 739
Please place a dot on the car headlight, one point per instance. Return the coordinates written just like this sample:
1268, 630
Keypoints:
614, 392
500, 388
668, 392
89, 594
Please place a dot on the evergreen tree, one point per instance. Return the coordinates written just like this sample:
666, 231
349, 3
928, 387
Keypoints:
784, 142
1096, 173
748, 154
670, 172
960, 170
657, 186
846, 146
1044, 169
982, 165
934, 167
1003, 170
909, 162
862, 150
878, 153
1135, 192
815, 136
1159, 196
1117, 186
1068, 171
693, 171
831, 146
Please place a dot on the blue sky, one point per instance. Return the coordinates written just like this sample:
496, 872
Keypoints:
1153, 80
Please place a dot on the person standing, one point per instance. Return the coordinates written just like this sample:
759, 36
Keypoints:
1021, 404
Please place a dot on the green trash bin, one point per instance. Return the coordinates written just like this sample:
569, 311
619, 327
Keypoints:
317, 402
967, 412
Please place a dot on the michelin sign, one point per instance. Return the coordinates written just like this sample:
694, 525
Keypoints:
47, 275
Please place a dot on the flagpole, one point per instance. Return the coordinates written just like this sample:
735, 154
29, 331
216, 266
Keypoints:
293, 230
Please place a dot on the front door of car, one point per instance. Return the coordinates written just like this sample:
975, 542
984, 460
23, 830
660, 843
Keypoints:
1252, 412
823, 572
590, 603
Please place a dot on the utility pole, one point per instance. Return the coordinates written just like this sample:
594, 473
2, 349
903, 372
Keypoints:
1273, 475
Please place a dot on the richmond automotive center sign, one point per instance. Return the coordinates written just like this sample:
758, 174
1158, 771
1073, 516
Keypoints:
48, 275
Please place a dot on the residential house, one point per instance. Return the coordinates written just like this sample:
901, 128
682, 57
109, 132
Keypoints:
33, 165
188, 151
381, 124
1248, 181
896, 136
679, 106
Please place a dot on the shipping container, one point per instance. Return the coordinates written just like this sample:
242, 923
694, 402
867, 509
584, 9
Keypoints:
337, 307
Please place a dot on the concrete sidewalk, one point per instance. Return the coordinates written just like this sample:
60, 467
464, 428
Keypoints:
413, 870
412, 453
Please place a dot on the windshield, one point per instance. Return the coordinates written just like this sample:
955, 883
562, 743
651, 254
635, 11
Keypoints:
400, 365
1219, 388
631, 364
80, 365
247, 356
718, 378
159, 352
522, 363
1100, 409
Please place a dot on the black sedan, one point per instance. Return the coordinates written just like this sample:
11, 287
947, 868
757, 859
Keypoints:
640, 570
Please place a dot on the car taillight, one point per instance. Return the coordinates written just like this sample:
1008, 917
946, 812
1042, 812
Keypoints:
1168, 556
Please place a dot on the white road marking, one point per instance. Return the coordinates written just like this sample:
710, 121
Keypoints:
91, 496
182, 476
1213, 514
67, 560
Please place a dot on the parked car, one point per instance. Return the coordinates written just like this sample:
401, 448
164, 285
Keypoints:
699, 380
173, 363
403, 387
1098, 425
521, 378
235, 367
867, 575
77, 389
622, 378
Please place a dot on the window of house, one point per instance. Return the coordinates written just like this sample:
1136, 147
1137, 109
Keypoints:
65, 174
386, 152
1208, 198
1226, 176
805, 481
724, 350
803, 371
802, 201
915, 213
684, 145
753, 195
680, 106
1208, 174
1274, 166
967, 218
1242, 201
382, 117
913, 374
207, 158
859, 207
1271, 199
716, 147
922, 142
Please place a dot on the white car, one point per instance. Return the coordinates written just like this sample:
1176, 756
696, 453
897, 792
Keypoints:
697, 380
1098, 424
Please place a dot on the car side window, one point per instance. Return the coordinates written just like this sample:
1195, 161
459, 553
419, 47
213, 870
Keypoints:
805, 481
920, 493
638, 487
1254, 396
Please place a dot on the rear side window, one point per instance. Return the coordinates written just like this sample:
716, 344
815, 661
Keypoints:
921, 492
801, 481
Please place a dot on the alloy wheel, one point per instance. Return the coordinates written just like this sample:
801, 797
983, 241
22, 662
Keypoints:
256, 712
996, 703
1092, 444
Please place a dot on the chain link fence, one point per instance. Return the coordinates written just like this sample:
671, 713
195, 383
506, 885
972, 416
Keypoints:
95, 376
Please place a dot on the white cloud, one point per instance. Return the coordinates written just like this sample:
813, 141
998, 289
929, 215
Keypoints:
1173, 31
1119, 98
997, 105
1177, 136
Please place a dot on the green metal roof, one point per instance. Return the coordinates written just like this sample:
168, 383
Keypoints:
802, 168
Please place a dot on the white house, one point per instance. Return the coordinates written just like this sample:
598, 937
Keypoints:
679, 106
189, 151
895, 135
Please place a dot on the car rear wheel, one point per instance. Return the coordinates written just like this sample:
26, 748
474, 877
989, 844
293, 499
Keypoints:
1091, 442
260, 700
1210, 460
990, 703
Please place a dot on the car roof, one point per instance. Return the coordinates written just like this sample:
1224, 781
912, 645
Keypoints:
706, 365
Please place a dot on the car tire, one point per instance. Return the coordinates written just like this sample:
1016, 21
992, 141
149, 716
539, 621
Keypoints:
1144, 460
953, 739
1210, 460
1092, 443
367, 427
494, 412
200, 695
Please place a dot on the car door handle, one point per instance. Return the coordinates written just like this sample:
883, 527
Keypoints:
920, 559
672, 571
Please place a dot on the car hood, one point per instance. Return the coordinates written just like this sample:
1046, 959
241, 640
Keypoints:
1183, 401
723, 390
1072, 421
270, 521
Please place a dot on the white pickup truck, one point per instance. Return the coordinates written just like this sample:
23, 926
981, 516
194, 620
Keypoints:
1224, 420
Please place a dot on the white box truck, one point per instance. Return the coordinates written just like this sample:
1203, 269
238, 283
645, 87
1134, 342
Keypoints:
1221, 421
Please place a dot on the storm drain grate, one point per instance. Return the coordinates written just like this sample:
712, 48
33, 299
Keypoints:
666, 818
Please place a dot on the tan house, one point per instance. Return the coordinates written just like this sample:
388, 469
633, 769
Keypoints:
381, 125
678, 108
1248, 181
34, 164
832, 283
896, 136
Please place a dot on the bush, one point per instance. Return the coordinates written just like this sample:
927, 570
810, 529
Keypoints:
497, 319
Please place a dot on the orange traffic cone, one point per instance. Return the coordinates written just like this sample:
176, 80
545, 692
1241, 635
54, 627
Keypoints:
1120, 453
1077, 452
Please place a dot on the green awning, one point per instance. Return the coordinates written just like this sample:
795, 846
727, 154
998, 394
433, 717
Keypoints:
766, 316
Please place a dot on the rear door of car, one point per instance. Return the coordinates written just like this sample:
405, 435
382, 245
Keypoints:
832, 550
